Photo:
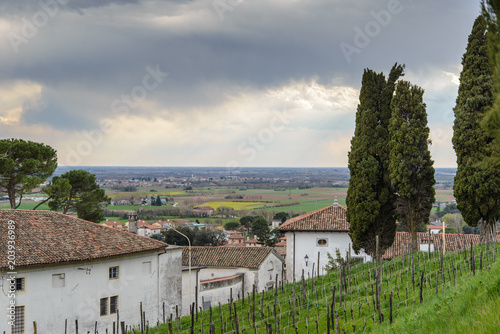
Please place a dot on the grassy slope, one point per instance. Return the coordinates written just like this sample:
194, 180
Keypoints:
473, 306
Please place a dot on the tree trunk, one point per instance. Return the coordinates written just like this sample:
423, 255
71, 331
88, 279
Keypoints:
66, 208
44, 201
413, 231
12, 196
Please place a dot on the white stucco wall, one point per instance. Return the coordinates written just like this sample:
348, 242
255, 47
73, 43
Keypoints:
306, 243
186, 288
222, 294
263, 278
152, 278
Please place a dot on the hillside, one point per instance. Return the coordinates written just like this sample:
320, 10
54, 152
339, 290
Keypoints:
425, 293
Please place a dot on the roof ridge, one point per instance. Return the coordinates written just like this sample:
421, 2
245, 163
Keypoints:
304, 215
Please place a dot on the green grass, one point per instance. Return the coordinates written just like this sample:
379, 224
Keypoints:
234, 205
468, 304
472, 306
25, 206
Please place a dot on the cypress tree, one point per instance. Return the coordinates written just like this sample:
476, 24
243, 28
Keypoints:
477, 187
370, 200
491, 120
410, 166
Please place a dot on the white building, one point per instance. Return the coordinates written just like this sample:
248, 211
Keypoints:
71, 269
311, 236
216, 272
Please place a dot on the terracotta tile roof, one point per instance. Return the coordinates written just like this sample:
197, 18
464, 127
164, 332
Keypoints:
244, 257
402, 242
47, 237
434, 227
281, 244
280, 250
204, 208
331, 218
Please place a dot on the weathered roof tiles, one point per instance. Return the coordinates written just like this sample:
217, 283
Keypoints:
332, 218
243, 257
47, 237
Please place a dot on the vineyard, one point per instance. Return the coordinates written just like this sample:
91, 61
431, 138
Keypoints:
342, 301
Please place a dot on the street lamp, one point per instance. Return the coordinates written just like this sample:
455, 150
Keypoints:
306, 258
189, 247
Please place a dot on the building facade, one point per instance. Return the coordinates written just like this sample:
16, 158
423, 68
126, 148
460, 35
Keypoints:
219, 273
312, 236
69, 270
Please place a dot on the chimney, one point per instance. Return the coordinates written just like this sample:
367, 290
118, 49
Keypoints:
132, 222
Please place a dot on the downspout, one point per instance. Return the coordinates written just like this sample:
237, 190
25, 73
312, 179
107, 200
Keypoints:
293, 278
158, 274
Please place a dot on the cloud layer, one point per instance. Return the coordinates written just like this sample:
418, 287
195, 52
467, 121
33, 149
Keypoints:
248, 83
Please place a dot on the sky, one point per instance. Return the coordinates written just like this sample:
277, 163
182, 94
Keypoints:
229, 83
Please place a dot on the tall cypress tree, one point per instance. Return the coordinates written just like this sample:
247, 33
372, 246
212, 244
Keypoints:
477, 187
370, 200
410, 165
491, 121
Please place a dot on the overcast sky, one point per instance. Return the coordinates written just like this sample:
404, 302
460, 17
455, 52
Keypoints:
219, 82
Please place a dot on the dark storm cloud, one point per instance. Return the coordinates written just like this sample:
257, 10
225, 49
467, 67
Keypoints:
26, 6
90, 58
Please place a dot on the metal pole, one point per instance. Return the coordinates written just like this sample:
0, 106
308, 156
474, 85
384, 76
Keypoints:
189, 247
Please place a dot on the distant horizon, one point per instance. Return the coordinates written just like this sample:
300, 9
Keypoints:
229, 168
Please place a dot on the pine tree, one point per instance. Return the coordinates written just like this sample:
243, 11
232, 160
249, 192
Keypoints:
410, 165
370, 200
476, 188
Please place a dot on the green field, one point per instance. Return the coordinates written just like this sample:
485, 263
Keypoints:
25, 206
234, 205
305, 206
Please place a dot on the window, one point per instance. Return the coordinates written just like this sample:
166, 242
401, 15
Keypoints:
322, 242
58, 281
146, 268
270, 266
20, 286
108, 306
18, 327
113, 304
104, 307
207, 302
114, 272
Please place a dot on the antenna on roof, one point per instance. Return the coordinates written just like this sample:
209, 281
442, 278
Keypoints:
336, 202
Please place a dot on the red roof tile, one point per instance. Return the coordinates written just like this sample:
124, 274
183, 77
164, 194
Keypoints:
245, 257
402, 242
47, 237
331, 218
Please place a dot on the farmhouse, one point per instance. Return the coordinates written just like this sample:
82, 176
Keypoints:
203, 211
71, 269
217, 273
311, 236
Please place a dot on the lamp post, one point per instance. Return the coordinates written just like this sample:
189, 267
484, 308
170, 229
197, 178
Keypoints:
306, 258
189, 248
